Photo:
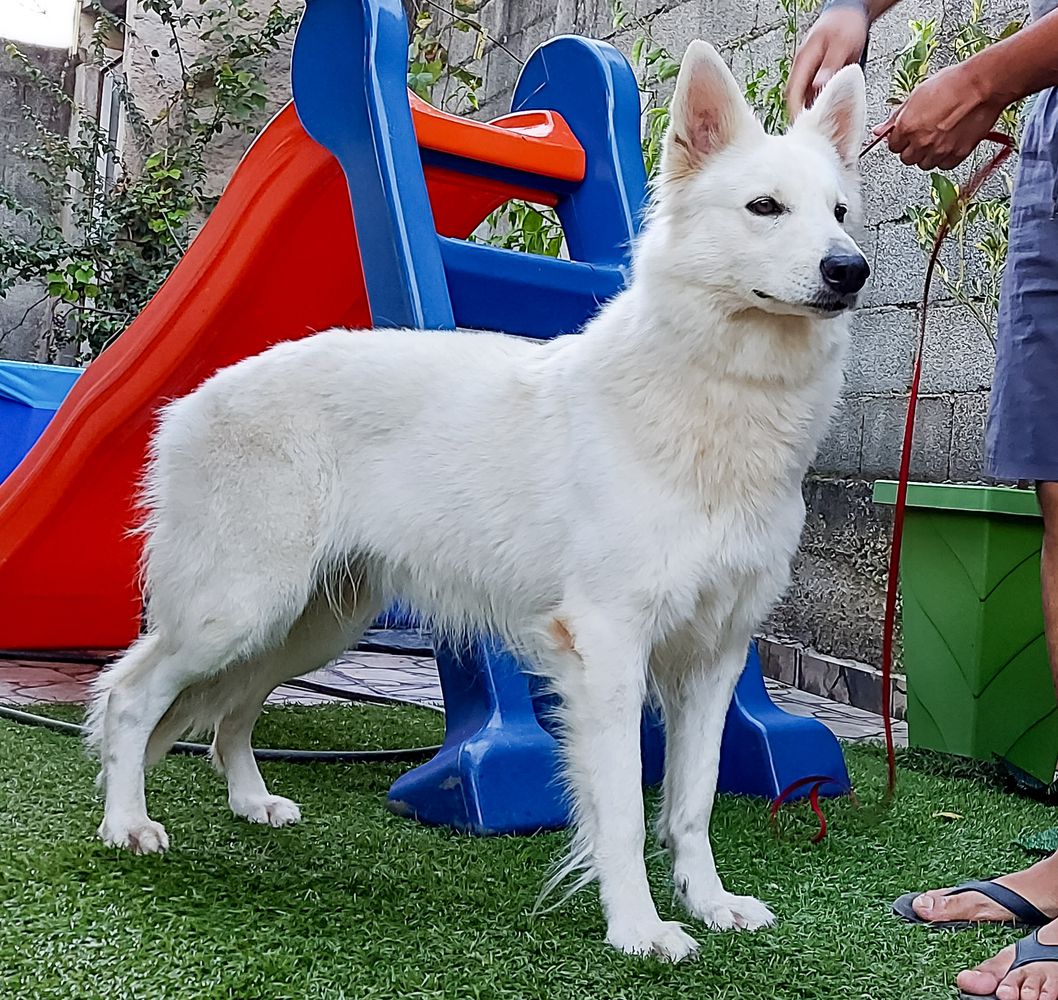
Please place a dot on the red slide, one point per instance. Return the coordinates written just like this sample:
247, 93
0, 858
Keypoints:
276, 260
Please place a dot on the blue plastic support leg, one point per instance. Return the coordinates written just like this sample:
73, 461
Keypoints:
765, 749
349, 75
499, 768
592, 86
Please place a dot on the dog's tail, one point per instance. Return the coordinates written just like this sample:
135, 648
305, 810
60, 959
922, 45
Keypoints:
196, 710
143, 655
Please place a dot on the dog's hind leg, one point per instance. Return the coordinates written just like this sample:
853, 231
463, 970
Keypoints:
130, 700
696, 703
318, 636
601, 710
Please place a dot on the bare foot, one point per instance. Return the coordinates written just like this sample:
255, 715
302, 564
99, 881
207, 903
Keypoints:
1038, 884
1038, 981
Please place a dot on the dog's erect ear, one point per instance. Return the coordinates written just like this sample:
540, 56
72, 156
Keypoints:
707, 111
839, 113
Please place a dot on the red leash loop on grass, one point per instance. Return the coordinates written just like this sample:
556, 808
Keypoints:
966, 195
817, 781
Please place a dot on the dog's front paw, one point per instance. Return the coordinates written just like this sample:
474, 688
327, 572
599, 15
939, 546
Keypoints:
665, 939
726, 912
141, 836
273, 810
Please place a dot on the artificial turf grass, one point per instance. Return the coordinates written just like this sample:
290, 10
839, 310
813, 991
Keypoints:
356, 903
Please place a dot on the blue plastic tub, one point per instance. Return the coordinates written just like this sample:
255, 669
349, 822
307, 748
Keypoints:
29, 396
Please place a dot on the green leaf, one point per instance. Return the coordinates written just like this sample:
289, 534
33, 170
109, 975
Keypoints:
945, 193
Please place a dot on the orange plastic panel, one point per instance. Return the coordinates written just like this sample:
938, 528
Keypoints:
536, 142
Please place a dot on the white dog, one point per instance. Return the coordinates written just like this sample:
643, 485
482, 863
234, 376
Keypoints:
620, 506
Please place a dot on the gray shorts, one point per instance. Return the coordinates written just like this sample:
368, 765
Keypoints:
1022, 436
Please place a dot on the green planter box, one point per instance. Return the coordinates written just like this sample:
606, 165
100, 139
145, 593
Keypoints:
978, 679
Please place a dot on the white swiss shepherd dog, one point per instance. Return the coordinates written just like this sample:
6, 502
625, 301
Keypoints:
621, 506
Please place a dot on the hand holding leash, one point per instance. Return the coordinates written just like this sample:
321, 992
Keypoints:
944, 119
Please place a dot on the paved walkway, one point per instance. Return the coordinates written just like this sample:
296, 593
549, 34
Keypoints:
407, 678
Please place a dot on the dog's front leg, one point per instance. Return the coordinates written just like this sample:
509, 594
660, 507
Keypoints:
694, 725
603, 686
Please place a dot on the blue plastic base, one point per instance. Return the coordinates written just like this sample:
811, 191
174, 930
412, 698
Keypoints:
765, 749
29, 396
499, 768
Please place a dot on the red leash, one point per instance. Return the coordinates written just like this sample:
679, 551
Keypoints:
952, 215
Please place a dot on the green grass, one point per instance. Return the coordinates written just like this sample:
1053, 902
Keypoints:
356, 903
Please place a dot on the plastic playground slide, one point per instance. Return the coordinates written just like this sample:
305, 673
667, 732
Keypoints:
279, 259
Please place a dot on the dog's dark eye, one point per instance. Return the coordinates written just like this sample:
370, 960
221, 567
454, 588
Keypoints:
840, 212
765, 206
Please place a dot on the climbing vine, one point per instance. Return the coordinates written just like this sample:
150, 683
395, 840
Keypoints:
129, 223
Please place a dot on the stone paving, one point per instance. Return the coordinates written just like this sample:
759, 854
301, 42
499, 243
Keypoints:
407, 678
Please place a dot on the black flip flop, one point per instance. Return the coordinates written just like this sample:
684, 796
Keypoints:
1025, 915
1028, 951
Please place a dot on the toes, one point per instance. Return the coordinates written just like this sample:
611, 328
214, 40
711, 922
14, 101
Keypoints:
139, 837
1031, 986
1011, 988
977, 984
727, 912
283, 812
272, 810
665, 939
930, 906
985, 979
750, 913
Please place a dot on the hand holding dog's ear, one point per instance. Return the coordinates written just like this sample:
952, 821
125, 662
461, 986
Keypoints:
836, 40
839, 114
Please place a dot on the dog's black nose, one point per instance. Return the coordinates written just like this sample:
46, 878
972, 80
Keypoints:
845, 273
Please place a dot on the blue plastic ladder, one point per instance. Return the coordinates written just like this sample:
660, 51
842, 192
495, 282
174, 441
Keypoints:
497, 771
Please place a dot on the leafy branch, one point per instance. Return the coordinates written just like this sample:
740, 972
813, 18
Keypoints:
125, 234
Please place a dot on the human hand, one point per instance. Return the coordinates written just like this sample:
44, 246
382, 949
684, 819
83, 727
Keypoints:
943, 120
836, 40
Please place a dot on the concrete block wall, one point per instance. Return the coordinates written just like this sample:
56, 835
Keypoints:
25, 320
